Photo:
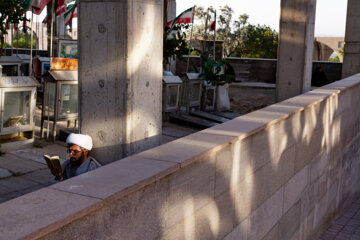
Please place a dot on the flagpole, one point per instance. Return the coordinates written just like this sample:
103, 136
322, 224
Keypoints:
214, 37
52, 28
37, 34
51, 54
12, 39
191, 32
206, 23
31, 41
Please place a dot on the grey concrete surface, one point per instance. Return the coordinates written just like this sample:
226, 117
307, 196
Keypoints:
351, 64
295, 51
120, 79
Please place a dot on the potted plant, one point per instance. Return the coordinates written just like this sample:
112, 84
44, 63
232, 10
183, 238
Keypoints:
214, 73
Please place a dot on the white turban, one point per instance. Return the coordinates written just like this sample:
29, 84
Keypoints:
81, 140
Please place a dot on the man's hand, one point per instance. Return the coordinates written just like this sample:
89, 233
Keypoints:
57, 173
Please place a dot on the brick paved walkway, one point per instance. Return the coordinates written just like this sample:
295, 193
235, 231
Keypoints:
347, 226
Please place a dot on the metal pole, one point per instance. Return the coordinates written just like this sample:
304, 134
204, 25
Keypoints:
205, 31
214, 37
12, 39
191, 32
31, 41
51, 54
37, 35
52, 29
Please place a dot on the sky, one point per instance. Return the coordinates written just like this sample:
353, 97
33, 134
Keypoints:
329, 20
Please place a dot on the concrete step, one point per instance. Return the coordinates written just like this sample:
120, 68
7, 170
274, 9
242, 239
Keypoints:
209, 116
19, 165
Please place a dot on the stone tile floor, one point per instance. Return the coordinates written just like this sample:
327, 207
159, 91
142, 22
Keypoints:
347, 226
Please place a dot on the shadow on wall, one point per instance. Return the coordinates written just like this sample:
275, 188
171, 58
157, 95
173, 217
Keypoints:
247, 189
232, 187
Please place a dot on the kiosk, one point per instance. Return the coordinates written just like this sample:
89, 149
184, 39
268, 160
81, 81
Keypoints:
171, 93
60, 101
10, 65
17, 103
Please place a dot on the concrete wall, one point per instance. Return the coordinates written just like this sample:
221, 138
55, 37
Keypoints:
282, 172
262, 70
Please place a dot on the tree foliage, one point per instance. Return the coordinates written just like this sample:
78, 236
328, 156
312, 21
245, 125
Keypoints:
175, 43
241, 39
22, 40
257, 42
11, 12
337, 58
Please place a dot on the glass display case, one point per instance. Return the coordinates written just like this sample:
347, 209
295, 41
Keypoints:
60, 100
25, 62
40, 66
192, 90
18, 98
171, 93
208, 97
10, 65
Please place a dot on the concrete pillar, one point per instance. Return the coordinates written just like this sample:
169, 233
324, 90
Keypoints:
120, 72
351, 63
295, 50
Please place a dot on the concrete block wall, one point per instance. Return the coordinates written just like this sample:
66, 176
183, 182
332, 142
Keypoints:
283, 172
263, 70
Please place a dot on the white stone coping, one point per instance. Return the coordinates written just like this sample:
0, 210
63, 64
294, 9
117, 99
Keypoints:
41, 212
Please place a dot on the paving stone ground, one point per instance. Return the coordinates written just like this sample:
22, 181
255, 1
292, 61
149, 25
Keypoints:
347, 226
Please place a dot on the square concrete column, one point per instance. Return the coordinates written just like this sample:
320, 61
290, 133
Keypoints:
295, 50
351, 63
120, 74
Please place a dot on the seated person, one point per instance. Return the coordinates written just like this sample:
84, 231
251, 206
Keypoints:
79, 146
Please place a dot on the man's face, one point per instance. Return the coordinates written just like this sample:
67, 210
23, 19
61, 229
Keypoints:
77, 155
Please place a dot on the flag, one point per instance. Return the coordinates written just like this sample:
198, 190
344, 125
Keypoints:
60, 7
184, 17
47, 19
213, 25
71, 12
36, 6
24, 26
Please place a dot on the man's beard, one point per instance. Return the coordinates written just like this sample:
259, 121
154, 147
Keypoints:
77, 162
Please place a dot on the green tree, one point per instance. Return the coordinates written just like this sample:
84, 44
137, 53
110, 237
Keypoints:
203, 18
174, 43
337, 58
22, 40
241, 39
236, 36
10, 12
258, 41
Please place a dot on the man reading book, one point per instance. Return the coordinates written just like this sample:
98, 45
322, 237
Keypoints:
79, 146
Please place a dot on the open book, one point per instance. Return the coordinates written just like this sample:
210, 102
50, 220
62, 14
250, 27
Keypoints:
54, 165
